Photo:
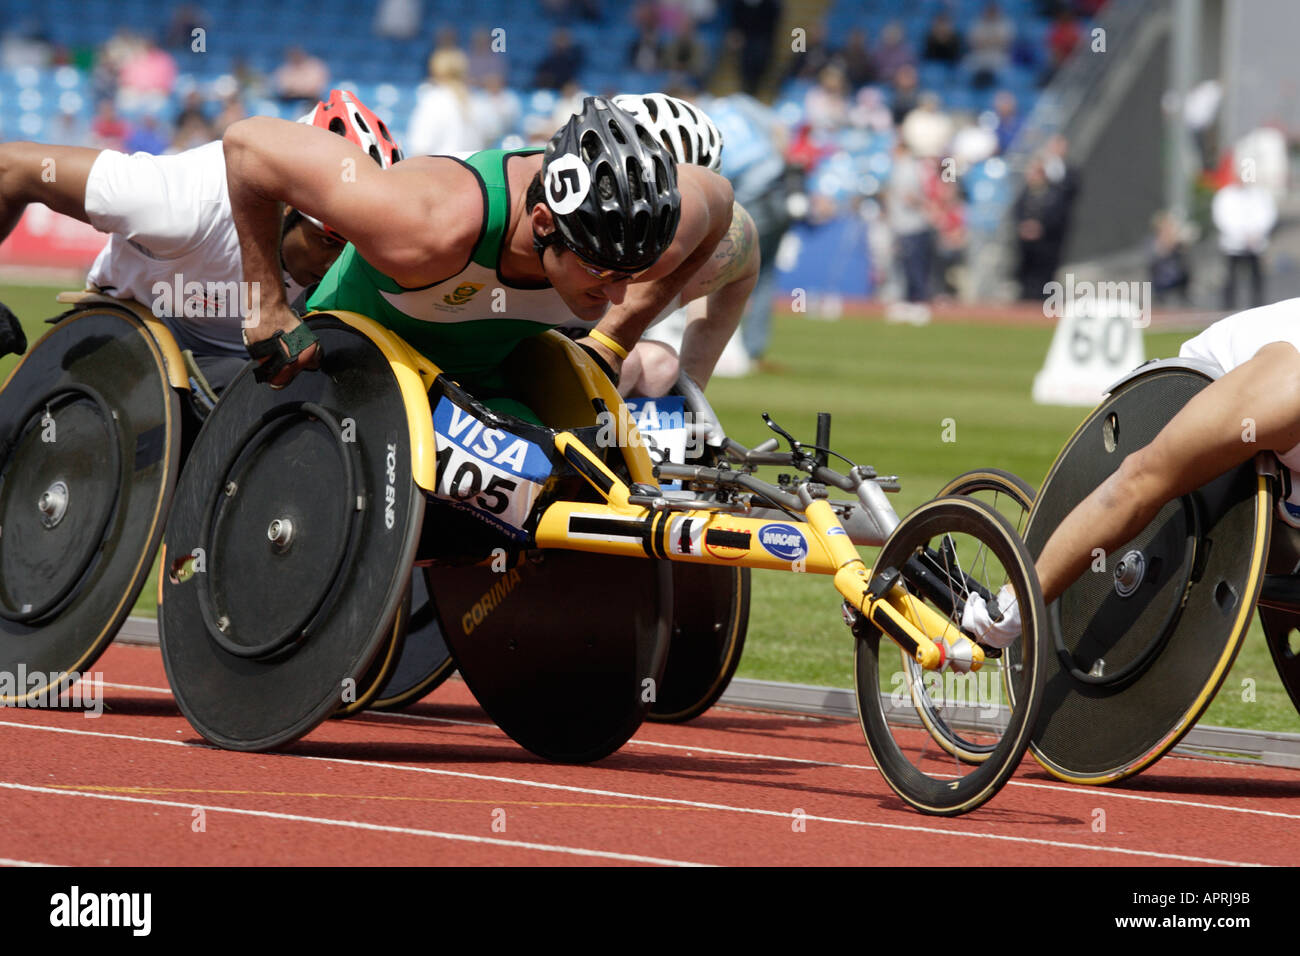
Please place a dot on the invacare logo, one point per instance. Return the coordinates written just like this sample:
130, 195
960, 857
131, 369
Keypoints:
75, 908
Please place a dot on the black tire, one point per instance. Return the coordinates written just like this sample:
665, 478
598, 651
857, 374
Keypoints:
1013, 497
708, 637
921, 772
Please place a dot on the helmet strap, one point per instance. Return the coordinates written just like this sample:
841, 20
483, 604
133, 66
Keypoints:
542, 243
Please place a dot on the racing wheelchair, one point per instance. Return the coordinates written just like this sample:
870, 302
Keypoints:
553, 556
1138, 646
95, 424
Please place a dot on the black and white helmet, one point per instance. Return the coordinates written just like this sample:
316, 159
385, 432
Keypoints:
612, 189
685, 130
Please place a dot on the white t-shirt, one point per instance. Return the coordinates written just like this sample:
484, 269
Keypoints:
173, 244
1234, 340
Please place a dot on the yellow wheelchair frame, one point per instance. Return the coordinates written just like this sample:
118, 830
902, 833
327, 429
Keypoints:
633, 518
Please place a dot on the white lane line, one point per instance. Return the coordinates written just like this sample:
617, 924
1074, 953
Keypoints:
152, 690
7, 862
1095, 792
358, 825
590, 791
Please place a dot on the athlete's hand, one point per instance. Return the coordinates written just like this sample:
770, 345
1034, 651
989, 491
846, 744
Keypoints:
282, 345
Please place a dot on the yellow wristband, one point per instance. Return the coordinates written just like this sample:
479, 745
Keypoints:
609, 343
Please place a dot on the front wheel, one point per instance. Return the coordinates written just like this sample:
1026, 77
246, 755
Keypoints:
1011, 496
946, 549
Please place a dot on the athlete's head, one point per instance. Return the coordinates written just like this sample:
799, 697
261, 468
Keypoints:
309, 246
604, 207
685, 130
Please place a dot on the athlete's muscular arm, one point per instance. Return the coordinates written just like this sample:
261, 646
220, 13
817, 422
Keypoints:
35, 172
706, 216
411, 222
717, 295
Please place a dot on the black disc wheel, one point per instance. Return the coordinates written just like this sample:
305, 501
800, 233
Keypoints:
944, 551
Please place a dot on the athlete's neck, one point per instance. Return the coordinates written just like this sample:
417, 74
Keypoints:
519, 262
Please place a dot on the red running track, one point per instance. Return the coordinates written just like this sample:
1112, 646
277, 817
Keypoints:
440, 784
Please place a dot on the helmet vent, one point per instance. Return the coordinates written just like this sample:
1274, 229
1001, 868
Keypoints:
616, 131
337, 126
672, 108
636, 184
606, 187
688, 149
591, 147
361, 123
651, 107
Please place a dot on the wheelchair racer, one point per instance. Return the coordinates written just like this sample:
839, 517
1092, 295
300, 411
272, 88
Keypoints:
465, 257
169, 217
1258, 352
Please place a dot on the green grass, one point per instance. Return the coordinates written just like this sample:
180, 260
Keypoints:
889, 389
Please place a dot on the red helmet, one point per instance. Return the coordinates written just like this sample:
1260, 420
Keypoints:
346, 115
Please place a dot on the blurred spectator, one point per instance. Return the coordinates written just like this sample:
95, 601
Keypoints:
685, 55
1059, 172
990, 42
148, 71
145, 137
232, 111
1009, 119
826, 107
893, 52
108, 129
1170, 276
484, 62
1040, 228
870, 111
300, 79
69, 129
753, 29
398, 19
566, 10
191, 107
442, 121
906, 94
194, 131
186, 18
808, 65
1245, 214
1061, 40
859, 67
496, 110
972, 143
751, 160
24, 45
927, 130
943, 44
561, 64
948, 212
646, 52
909, 221
1200, 107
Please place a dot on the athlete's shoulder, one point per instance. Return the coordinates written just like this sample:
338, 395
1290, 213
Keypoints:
441, 218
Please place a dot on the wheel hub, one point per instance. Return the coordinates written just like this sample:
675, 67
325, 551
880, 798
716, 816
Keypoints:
53, 504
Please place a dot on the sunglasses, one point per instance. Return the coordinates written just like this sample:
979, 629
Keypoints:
604, 275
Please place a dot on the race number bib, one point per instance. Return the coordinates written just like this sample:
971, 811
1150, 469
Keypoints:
663, 427
488, 471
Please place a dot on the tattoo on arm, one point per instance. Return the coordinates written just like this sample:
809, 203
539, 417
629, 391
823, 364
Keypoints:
732, 255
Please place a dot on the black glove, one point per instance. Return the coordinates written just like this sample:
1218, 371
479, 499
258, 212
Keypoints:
280, 350
12, 337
